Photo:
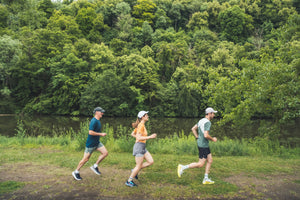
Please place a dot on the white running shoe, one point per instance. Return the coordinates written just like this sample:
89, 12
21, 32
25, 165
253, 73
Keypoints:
207, 181
76, 176
179, 170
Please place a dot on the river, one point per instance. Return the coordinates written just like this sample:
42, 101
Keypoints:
57, 125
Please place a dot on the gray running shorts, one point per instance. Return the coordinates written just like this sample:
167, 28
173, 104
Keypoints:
139, 149
91, 149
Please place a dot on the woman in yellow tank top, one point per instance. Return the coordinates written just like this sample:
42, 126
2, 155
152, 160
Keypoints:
139, 149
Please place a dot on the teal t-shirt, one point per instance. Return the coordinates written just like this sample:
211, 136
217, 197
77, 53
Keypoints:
203, 125
92, 140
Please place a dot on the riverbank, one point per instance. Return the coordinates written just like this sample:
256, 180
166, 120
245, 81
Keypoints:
44, 172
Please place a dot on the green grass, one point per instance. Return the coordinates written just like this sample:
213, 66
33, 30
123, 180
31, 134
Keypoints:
9, 186
253, 158
161, 176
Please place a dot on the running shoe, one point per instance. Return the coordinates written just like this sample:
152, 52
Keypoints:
207, 181
131, 184
76, 176
95, 170
179, 170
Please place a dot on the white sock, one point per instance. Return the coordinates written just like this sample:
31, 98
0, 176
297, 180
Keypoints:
76, 171
130, 179
185, 167
206, 176
95, 165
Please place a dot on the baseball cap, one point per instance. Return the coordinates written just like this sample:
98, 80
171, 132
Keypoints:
142, 113
99, 109
210, 110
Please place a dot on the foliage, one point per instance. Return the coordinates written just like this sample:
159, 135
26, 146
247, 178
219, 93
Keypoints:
120, 140
172, 57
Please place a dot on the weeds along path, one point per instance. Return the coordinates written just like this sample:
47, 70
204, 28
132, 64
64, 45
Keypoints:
49, 182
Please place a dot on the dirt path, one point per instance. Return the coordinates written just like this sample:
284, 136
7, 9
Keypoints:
57, 183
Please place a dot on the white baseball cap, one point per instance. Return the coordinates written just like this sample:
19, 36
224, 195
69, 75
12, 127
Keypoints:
142, 113
210, 110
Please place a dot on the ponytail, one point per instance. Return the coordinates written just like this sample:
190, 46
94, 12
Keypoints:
136, 123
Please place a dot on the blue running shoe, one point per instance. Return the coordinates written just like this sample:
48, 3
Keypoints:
131, 184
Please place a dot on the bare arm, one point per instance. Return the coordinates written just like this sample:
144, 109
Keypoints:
207, 136
194, 130
140, 137
96, 134
133, 134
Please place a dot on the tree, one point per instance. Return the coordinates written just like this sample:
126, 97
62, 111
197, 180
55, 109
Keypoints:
47, 7
3, 16
102, 58
198, 21
85, 18
235, 24
32, 17
244, 93
144, 11
65, 24
10, 51
147, 33
109, 91
141, 73
161, 19
175, 14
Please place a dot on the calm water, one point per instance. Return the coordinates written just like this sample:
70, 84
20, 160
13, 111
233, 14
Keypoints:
51, 125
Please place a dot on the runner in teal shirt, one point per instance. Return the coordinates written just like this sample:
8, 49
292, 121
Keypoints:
92, 144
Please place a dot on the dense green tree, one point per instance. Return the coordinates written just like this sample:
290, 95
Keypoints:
101, 57
142, 73
236, 24
10, 51
109, 91
175, 14
3, 16
85, 18
147, 33
198, 21
64, 23
47, 7
144, 10
172, 57
161, 19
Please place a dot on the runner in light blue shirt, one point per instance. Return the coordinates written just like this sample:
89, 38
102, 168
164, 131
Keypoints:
202, 133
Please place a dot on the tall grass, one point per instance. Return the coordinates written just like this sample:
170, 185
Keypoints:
120, 140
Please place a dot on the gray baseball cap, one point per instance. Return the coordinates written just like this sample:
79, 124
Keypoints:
99, 109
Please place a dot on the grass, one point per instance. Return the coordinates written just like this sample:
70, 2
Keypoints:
254, 158
9, 186
161, 176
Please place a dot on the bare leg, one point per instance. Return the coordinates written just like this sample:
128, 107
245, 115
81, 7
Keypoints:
86, 157
103, 152
149, 160
139, 163
208, 164
199, 164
